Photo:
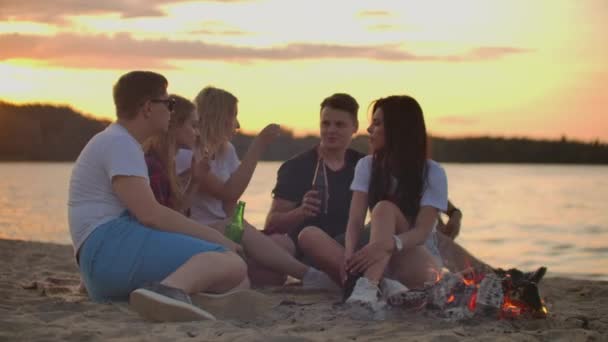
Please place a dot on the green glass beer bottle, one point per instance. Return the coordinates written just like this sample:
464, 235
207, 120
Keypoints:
234, 229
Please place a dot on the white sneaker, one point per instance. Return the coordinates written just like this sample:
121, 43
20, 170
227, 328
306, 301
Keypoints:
364, 293
390, 287
393, 291
316, 280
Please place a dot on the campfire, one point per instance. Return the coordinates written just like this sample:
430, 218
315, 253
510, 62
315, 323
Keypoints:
501, 293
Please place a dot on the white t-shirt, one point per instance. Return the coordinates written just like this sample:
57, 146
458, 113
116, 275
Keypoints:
205, 208
91, 201
435, 191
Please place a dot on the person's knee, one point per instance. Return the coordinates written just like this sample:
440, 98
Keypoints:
236, 264
233, 267
415, 267
261, 277
383, 208
284, 242
308, 236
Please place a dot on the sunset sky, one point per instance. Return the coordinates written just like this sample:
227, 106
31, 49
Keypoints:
535, 68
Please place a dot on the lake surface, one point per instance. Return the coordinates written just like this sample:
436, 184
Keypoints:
514, 215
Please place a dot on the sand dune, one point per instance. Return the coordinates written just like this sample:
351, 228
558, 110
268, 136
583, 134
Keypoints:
39, 300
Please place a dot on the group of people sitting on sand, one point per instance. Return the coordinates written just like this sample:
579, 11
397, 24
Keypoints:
151, 195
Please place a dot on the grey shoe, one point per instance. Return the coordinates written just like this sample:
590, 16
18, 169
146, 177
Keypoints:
160, 303
316, 280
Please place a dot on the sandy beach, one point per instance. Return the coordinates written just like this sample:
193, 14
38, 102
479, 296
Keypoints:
39, 300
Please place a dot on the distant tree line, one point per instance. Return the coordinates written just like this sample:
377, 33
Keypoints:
39, 132
518, 150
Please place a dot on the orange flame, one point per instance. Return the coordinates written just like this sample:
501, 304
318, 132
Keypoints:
472, 278
451, 299
473, 301
544, 308
469, 282
512, 308
436, 274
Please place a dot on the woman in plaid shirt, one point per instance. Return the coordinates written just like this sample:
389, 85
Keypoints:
183, 132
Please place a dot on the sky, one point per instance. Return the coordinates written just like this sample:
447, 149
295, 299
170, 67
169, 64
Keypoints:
511, 68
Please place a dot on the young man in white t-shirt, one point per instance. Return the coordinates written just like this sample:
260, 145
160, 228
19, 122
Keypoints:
127, 244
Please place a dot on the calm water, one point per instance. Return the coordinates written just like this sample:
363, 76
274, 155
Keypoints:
514, 215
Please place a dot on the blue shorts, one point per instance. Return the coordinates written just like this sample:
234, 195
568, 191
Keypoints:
121, 255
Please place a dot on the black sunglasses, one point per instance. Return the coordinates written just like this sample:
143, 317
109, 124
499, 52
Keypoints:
170, 103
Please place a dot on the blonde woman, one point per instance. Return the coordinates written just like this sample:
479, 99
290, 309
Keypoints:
226, 181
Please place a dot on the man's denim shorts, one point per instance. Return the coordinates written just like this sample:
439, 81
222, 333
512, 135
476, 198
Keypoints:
121, 255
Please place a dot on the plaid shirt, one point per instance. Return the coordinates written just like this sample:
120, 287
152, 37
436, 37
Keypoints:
159, 179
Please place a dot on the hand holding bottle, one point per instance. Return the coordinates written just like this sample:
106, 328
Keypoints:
311, 204
320, 186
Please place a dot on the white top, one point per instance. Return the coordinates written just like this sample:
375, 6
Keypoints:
205, 208
92, 201
435, 193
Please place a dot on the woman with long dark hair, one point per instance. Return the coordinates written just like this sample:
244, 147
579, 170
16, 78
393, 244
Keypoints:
405, 191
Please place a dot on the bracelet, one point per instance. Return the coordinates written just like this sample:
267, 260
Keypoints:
398, 243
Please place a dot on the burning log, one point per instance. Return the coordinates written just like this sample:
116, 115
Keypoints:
490, 296
446, 291
502, 294
410, 299
522, 294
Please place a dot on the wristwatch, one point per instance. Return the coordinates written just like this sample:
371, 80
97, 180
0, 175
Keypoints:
398, 243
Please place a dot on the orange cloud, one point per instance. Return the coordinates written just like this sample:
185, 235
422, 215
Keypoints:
55, 11
218, 28
102, 51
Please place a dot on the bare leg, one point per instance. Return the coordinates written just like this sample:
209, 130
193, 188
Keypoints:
413, 267
262, 276
244, 285
209, 272
266, 253
386, 220
327, 254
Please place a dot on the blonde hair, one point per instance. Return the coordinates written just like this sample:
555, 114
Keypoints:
164, 146
215, 108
